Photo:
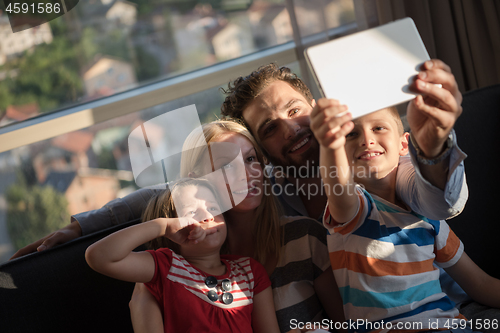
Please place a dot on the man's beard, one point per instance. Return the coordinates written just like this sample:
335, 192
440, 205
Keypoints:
302, 166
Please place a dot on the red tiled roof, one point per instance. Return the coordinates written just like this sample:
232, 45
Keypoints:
21, 112
76, 142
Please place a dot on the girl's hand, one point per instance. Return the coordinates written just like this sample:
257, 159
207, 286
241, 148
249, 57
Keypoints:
178, 229
186, 230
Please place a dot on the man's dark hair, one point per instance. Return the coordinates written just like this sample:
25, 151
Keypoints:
244, 90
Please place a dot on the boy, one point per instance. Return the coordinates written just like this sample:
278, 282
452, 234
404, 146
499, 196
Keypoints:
381, 252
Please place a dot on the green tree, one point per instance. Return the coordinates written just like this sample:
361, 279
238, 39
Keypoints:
106, 160
144, 7
33, 212
114, 43
147, 66
48, 76
87, 46
5, 98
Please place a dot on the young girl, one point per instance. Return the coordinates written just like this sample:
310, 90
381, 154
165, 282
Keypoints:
198, 290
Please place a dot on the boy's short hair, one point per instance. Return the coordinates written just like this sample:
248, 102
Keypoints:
244, 90
394, 112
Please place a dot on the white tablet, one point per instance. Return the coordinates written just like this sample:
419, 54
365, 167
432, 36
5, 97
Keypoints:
369, 70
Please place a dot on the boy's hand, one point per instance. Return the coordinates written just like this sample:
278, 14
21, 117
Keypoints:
433, 114
330, 123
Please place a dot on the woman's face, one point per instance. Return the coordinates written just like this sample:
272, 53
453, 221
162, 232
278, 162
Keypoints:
244, 177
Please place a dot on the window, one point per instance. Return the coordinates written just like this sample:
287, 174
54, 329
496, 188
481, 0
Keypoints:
64, 131
185, 33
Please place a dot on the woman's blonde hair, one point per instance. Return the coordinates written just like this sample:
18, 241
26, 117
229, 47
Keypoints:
267, 232
162, 205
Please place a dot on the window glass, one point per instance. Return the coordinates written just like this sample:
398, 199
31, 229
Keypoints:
44, 183
102, 47
311, 20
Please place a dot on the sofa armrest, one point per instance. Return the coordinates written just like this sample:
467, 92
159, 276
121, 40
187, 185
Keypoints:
55, 290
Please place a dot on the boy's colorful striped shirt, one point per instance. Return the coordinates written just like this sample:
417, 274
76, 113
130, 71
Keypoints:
383, 261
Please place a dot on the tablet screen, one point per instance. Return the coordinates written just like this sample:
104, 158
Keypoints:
369, 70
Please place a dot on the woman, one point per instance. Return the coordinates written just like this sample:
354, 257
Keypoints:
292, 249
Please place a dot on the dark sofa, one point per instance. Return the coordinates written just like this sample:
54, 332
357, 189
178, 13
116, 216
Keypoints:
55, 290
478, 132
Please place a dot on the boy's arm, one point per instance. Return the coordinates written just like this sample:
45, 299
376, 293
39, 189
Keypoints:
482, 287
330, 126
145, 312
263, 313
344, 205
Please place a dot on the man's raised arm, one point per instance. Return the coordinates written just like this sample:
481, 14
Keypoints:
436, 185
